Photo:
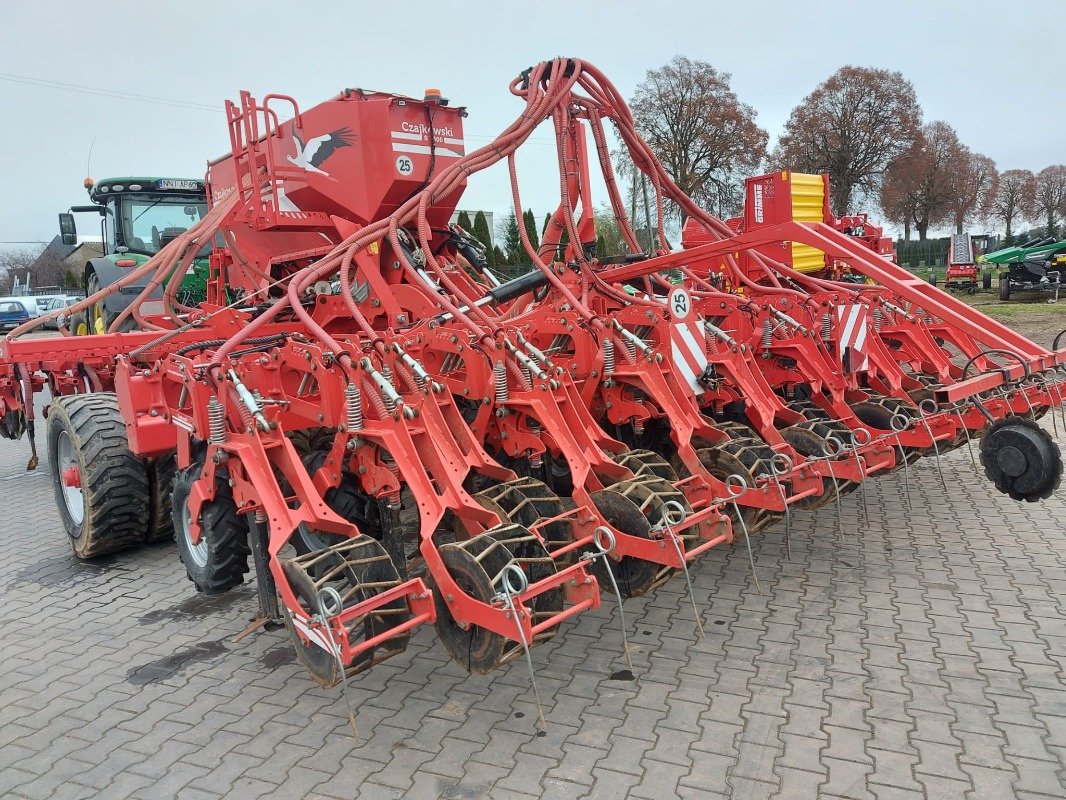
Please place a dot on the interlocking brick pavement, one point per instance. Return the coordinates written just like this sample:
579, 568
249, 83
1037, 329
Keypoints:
921, 654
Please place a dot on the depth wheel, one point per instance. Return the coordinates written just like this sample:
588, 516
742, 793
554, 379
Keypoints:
751, 459
809, 440
476, 565
646, 462
1021, 459
634, 576
346, 500
357, 569
527, 501
219, 561
101, 488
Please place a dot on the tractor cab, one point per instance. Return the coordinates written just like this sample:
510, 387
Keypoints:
139, 215
138, 218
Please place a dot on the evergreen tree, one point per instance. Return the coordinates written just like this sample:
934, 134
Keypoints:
601, 246
497, 257
530, 223
463, 221
512, 241
482, 234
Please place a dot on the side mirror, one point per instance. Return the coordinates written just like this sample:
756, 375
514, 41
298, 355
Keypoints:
68, 232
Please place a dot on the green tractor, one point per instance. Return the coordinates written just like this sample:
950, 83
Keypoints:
1036, 265
138, 217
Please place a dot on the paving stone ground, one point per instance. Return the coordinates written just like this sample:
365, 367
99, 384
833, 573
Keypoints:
919, 654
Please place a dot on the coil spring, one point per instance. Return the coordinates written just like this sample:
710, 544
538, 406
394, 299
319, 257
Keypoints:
353, 404
767, 334
499, 374
216, 421
608, 357
877, 319
390, 404
827, 327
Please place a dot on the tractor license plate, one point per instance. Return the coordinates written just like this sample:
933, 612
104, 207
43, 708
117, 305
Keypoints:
175, 184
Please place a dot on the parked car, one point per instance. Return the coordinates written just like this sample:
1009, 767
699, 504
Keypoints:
57, 303
12, 314
27, 302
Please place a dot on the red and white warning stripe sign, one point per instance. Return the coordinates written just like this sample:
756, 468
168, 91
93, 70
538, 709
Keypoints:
686, 339
851, 330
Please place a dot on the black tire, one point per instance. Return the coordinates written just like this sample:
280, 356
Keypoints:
932, 278
108, 512
220, 560
161, 472
1004, 287
986, 280
346, 500
98, 318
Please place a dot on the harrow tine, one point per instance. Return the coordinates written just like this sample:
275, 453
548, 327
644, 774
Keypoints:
1058, 391
329, 605
507, 593
605, 544
900, 423
673, 507
1046, 385
855, 444
839, 446
778, 471
740, 485
936, 448
969, 441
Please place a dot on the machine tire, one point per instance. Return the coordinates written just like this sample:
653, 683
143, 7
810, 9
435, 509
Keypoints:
345, 500
932, 278
109, 510
97, 315
986, 280
635, 576
1004, 287
161, 473
220, 561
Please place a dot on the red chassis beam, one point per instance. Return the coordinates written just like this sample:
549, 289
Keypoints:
981, 328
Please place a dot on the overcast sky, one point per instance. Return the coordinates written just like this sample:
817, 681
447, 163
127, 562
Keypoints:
990, 69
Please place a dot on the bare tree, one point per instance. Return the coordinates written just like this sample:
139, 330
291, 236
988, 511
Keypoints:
46, 268
851, 126
1051, 195
975, 180
704, 136
1015, 197
919, 185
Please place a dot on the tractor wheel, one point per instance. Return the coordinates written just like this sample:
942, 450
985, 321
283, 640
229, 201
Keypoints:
1004, 287
161, 472
986, 280
1021, 459
346, 500
932, 278
219, 561
357, 569
97, 318
101, 488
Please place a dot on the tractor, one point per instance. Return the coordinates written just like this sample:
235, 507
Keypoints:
139, 216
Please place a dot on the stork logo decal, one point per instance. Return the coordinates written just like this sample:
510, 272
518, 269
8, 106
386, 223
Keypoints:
313, 155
